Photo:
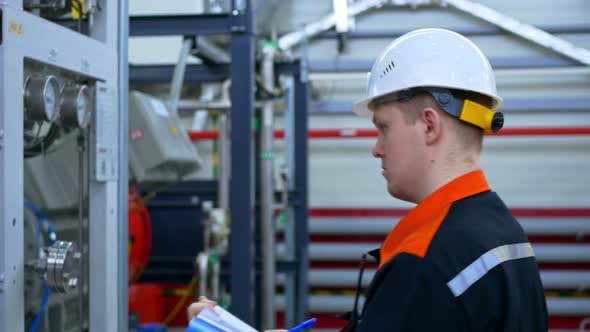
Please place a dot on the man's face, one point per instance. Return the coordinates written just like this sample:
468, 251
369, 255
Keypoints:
400, 148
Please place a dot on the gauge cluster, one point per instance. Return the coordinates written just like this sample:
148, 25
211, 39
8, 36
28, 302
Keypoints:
55, 101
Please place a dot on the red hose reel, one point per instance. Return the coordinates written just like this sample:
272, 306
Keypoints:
140, 235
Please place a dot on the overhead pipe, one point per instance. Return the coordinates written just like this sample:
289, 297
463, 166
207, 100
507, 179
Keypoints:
267, 193
382, 226
545, 72
347, 278
344, 252
370, 133
343, 303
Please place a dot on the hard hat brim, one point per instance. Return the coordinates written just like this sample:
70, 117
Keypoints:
361, 108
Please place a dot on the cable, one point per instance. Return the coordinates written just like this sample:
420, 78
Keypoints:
42, 219
44, 303
172, 315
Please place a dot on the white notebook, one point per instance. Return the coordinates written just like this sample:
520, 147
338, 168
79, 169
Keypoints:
223, 321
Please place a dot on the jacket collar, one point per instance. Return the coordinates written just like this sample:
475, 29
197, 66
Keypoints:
415, 231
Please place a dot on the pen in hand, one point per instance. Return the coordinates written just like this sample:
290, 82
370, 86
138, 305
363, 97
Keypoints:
304, 325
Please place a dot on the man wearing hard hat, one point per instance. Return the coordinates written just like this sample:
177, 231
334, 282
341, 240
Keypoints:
458, 261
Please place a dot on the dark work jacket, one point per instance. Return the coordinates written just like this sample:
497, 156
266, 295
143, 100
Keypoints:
457, 262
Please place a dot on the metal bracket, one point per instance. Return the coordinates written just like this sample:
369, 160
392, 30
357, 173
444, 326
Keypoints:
521, 29
61, 266
510, 24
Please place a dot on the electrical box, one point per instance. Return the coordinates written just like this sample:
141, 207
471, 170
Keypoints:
159, 148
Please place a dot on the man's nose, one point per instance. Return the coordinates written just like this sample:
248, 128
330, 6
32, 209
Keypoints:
378, 149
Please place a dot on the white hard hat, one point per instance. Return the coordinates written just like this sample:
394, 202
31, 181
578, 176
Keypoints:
434, 58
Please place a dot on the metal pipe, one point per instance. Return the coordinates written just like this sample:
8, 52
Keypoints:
187, 104
178, 77
382, 226
209, 51
81, 243
341, 303
223, 176
91, 8
342, 252
224, 152
346, 278
361, 77
267, 195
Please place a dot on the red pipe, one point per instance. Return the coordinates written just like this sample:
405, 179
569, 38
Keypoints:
385, 212
367, 133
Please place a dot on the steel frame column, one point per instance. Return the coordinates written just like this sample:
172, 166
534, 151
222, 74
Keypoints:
11, 184
300, 203
242, 169
123, 225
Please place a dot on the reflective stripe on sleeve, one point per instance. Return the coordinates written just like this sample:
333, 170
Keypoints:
486, 262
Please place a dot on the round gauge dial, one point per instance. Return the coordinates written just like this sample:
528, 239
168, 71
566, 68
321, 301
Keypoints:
77, 106
42, 98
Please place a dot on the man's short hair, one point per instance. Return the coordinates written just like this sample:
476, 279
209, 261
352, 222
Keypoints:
469, 135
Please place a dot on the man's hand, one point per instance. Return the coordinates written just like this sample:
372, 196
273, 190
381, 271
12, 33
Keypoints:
196, 308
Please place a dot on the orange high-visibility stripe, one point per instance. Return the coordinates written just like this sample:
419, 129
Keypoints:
415, 231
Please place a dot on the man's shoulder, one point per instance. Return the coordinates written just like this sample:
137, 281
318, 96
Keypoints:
473, 226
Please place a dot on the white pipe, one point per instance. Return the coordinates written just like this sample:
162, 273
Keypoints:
382, 226
346, 278
344, 303
344, 252
568, 306
178, 78
224, 152
267, 195
565, 71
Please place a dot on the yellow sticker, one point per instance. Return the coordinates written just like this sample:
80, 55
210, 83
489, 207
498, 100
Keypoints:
16, 28
173, 129
76, 10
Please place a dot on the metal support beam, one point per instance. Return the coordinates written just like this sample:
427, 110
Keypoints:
242, 175
162, 74
328, 22
521, 29
122, 224
167, 25
301, 200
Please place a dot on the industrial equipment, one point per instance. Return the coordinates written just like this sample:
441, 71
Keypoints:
61, 129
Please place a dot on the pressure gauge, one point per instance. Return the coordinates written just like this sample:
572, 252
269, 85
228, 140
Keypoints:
42, 98
76, 110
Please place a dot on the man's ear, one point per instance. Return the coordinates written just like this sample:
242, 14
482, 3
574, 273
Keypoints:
432, 125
